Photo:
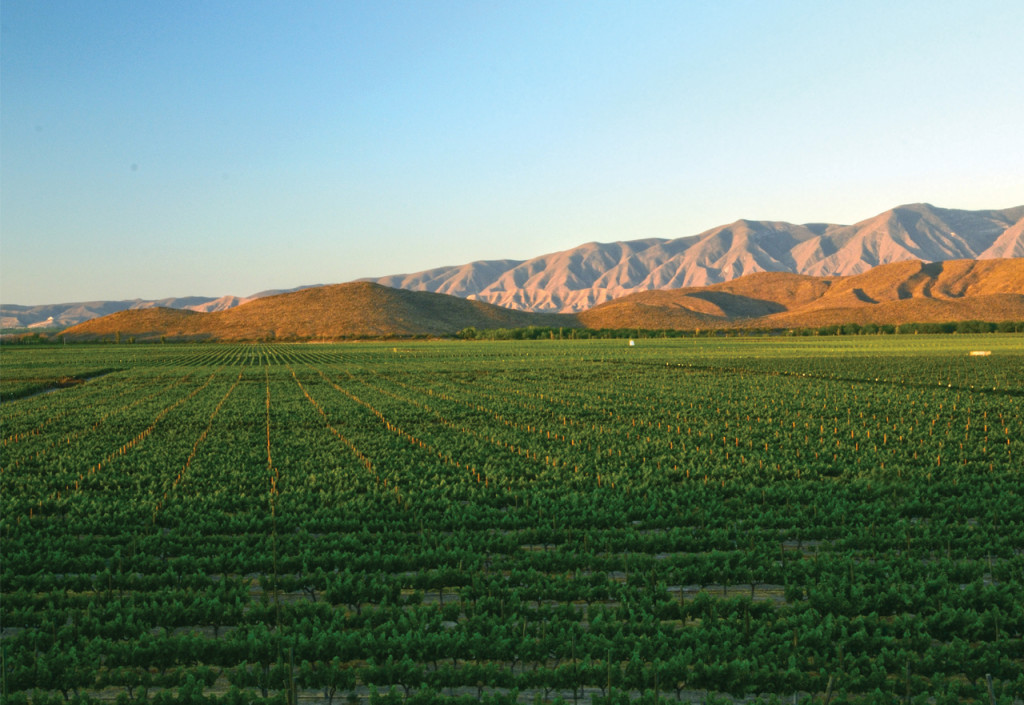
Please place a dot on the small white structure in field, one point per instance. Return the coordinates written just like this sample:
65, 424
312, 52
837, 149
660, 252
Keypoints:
632, 343
979, 353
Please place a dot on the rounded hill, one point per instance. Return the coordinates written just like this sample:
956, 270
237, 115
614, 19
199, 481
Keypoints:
356, 309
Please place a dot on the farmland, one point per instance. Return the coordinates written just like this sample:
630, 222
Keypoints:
836, 519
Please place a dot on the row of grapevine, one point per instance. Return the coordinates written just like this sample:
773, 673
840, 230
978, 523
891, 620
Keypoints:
682, 520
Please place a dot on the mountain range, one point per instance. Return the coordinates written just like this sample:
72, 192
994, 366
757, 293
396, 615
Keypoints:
578, 279
901, 292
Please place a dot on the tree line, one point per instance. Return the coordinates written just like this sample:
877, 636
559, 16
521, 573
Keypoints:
565, 333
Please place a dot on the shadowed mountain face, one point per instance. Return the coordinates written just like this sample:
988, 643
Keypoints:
902, 292
595, 273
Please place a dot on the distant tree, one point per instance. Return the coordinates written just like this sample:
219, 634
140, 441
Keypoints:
975, 327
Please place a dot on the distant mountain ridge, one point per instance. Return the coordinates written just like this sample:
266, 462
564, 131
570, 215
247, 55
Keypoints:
580, 278
901, 292
69, 314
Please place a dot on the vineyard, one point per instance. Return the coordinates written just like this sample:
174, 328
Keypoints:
826, 520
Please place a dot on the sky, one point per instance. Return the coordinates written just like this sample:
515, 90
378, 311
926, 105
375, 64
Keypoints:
176, 148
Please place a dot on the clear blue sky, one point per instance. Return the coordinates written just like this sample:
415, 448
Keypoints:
171, 148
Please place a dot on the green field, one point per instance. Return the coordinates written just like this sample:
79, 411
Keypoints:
815, 519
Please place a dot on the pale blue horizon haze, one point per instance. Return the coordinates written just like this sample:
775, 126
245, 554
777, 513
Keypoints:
176, 148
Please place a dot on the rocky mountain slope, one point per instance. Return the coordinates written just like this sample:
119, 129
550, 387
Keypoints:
902, 292
594, 273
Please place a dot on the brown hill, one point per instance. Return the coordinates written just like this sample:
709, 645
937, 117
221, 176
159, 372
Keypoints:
138, 323
903, 292
357, 309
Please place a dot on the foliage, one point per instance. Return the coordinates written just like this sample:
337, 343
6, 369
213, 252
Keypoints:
426, 522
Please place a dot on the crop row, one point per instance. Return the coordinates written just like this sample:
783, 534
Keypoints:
484, 519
